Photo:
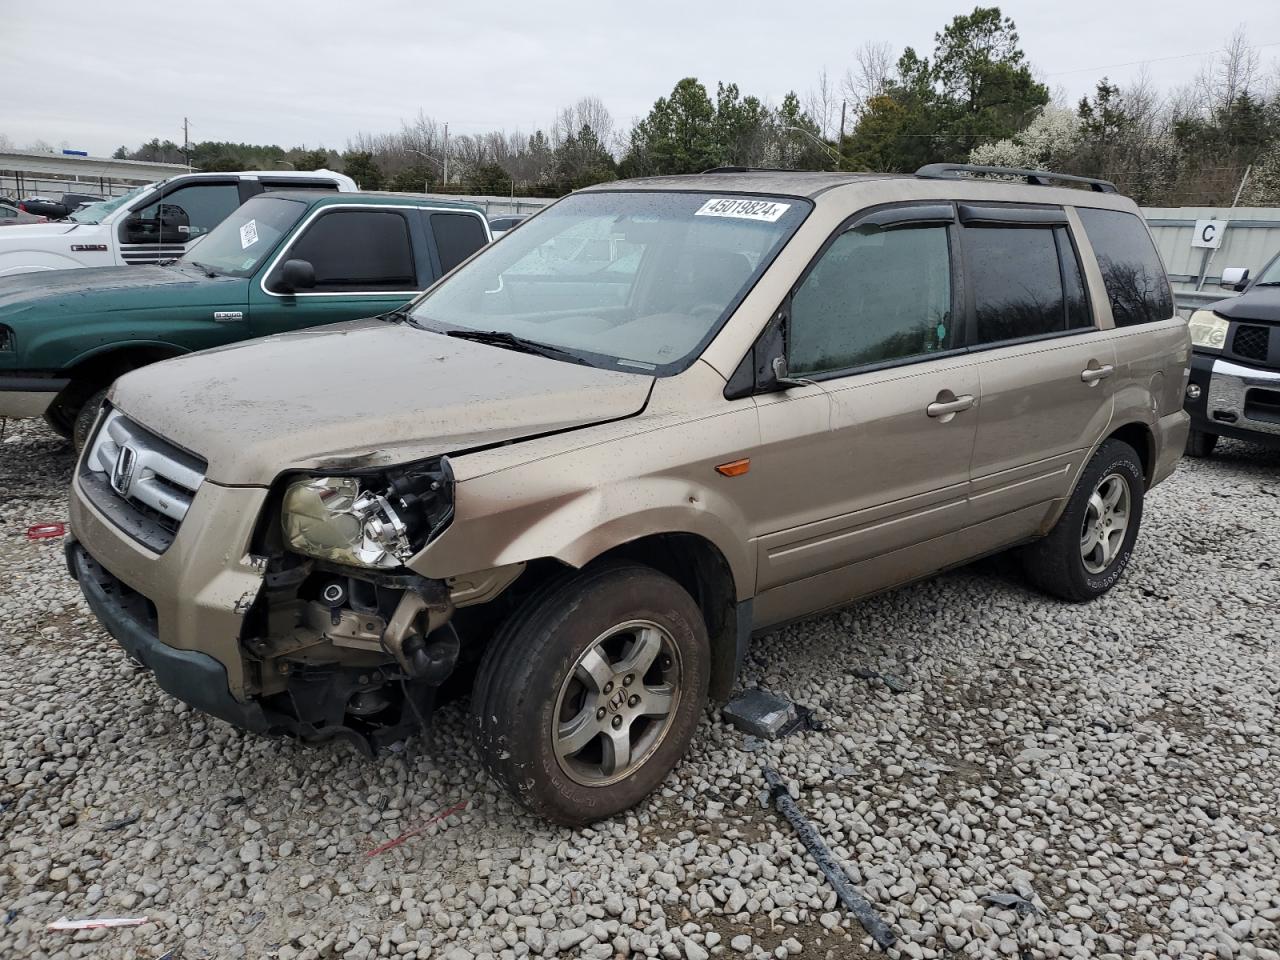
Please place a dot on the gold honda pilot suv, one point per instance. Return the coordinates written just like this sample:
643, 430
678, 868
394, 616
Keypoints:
583, 469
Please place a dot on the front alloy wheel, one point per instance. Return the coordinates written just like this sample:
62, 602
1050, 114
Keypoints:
617, 703
591, 691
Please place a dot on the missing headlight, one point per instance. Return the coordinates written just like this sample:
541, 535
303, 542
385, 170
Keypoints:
377, 520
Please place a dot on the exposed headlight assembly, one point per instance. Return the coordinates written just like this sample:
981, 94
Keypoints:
378, 520
1208, 329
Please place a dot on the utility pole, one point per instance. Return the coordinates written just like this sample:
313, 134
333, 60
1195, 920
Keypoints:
446, 156
186, 141
844, 105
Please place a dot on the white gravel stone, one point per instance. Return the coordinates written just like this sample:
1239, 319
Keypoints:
1116, 763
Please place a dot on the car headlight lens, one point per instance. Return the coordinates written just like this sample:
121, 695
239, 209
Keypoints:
368, 521
1208, 329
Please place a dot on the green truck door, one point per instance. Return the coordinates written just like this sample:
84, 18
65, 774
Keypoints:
367, 260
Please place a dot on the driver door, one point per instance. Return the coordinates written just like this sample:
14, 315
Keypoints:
165, 227
367, 260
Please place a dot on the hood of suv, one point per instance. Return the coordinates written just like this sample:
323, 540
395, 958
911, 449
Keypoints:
1257, 303
363, 394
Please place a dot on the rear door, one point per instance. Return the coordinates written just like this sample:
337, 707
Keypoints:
454, 236
367, 260
872, 459
1045, 367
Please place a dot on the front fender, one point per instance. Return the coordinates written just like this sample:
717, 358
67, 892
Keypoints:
580, 530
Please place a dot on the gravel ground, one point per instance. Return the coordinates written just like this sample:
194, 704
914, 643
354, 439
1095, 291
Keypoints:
1118, 764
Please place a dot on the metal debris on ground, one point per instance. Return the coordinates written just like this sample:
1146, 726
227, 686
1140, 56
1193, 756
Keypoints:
1012, 901
846, 892
121, 823
764, 715
97, 923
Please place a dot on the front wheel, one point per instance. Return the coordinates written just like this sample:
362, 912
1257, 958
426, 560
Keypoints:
1200, 443
85, 418
591, 692
1090, 545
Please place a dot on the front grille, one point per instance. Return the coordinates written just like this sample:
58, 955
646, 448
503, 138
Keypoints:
1251, 342
143, 483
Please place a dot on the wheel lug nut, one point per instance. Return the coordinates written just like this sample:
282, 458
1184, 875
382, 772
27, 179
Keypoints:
617, 722
633, 701
608, 687
600, 713
628, 679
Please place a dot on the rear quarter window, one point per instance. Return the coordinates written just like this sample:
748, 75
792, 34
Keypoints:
457, 236
1136, 283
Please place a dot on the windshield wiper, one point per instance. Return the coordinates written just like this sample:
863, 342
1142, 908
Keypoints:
208, 271
502, 338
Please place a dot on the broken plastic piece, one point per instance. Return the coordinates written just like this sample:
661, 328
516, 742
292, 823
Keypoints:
96, 923
846, 892
46, 531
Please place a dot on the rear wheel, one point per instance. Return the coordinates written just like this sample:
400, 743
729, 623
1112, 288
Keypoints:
1200, 443
1089, 547
590, 693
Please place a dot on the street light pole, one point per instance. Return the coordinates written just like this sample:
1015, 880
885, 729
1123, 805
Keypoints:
822, 143
446, 156
426, 185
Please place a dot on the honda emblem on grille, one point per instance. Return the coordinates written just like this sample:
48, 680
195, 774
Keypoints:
122, 472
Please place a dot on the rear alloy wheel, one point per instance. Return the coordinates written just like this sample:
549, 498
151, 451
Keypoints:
1200, 443
591, 692
1089, 547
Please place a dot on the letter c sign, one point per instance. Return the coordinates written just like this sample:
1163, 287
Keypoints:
1208, 234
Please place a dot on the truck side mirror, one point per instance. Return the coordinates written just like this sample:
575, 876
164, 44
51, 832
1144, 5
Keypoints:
297, 275
1234, 278
173, 224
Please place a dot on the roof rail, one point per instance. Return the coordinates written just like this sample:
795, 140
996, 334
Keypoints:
734, 169
943, 171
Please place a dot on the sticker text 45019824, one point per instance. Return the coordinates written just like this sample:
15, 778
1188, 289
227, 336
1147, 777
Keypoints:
743, 208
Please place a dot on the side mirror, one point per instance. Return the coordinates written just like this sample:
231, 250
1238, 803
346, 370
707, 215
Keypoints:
297, 275
173, 224
1234, 278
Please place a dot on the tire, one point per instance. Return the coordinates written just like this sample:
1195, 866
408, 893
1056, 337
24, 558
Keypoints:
58, 421
85, 418
1058, 564
1200, 443
529, 691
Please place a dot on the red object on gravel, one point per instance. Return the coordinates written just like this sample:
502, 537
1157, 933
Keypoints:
46, 531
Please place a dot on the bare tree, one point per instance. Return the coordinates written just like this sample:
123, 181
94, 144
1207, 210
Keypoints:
872, 70
822, 104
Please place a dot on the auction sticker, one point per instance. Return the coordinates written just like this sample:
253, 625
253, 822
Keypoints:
248, 234
740, 208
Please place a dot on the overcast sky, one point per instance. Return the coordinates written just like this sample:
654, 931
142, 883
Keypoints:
94, 75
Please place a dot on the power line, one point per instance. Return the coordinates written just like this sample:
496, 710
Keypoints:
1134, 63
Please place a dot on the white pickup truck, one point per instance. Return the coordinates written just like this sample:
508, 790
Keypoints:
151, 224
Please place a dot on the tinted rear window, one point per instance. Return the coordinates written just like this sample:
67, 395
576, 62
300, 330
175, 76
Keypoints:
1131, 269
458, 236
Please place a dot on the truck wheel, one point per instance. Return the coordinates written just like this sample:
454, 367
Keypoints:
1090, 545
85, 417
59, 421
1201, 443
591, 691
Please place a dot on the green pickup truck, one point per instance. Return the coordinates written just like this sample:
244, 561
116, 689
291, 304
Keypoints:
280, 262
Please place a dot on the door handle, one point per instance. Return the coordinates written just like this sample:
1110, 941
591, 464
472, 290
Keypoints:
1093, 374
948, 408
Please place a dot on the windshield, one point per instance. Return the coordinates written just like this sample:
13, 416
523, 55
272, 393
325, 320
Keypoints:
625, 279
237, 245
1270, 273
97, 212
